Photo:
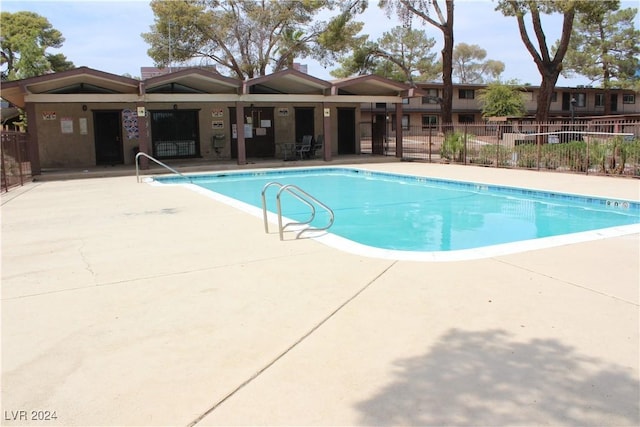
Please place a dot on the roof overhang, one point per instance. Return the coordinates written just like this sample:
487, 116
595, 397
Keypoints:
287, 82
372, 85
198, 79
16, 91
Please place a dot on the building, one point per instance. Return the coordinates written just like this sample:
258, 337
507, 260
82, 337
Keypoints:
86, 117
425, 111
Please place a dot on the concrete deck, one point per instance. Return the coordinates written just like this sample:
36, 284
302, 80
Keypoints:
128, 304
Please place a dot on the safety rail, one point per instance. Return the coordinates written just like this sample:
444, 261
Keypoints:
303, 197
141, 154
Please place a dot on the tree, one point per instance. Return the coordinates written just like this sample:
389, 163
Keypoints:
549, 65
469, 65
248, 38
402, 54
605, 49
25, 37
502, 99
406, 9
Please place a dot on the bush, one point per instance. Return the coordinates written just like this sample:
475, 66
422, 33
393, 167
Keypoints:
527, 155
489, 153
453, 146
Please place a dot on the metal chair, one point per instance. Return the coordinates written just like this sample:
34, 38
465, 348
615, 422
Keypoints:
303, 149
318, 146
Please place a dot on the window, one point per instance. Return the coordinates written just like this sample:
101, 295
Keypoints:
429, 121
405, 101
431, 98
381, 105
466, 118
466, 94
554, 96
581, 99
599, 100
174, 134
405, 122
628, 98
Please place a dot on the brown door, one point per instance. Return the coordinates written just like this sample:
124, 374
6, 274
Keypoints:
260, 140
108, 137
346, 130
378, 134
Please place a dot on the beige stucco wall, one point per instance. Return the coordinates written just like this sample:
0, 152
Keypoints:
65, 141
66, 133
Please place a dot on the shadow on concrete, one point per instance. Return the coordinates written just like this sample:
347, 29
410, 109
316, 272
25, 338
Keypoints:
491, 379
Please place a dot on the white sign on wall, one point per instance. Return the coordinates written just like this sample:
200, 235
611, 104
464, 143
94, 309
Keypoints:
66, 125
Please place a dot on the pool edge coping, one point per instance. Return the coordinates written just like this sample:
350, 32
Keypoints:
349, 246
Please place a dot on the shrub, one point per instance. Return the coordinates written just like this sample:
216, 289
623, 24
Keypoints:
453, 146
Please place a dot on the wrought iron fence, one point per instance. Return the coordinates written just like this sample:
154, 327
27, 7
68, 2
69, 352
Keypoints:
590, 147
15, 161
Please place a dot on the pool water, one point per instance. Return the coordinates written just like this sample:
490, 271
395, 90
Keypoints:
407, 213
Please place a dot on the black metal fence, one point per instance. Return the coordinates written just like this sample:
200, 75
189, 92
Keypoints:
593, 147
16, 164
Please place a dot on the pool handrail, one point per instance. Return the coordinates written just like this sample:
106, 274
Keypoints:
302, 196
155, 160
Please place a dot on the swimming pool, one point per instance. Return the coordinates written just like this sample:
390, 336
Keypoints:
408, 217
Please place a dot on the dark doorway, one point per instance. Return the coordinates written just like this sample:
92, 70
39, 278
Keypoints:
260, 141
175, 134
108, 137
614, 102
346, 131
304, 122
378, 133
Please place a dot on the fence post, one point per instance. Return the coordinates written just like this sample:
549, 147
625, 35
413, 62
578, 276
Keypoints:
5, 184
497, 154
538, 142
430, 132
19, 159
464, 152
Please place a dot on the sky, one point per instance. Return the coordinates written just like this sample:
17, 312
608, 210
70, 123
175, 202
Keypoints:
106, 35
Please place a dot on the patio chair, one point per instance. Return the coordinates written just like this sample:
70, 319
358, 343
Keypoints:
303, 149
318, 146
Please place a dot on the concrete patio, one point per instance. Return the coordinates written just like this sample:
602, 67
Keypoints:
129, 304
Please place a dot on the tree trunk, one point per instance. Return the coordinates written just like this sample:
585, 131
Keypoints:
447, 66
547, 86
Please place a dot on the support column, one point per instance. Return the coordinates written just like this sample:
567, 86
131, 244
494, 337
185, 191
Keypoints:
242, 149
399, 130
326, 129
33, 145
144, 144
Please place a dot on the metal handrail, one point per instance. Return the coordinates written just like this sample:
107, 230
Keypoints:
155, 160
302, 196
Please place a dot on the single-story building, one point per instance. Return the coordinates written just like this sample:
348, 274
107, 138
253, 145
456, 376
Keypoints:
86, 117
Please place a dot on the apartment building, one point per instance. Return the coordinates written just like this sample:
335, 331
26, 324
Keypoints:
425, 111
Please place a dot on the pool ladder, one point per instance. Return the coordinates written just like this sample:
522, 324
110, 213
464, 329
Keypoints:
141, 154
302, 196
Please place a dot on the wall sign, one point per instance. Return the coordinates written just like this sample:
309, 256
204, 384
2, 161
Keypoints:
66, 125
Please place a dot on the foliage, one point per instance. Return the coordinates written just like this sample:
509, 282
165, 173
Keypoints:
453, 146
406, 10
605, 48
402, 54
527, 155
549, 65
490, 153
24, 39
469, 65
502, 99
247, 39
613, 156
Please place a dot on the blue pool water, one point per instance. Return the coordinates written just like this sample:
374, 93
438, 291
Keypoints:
407, 213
